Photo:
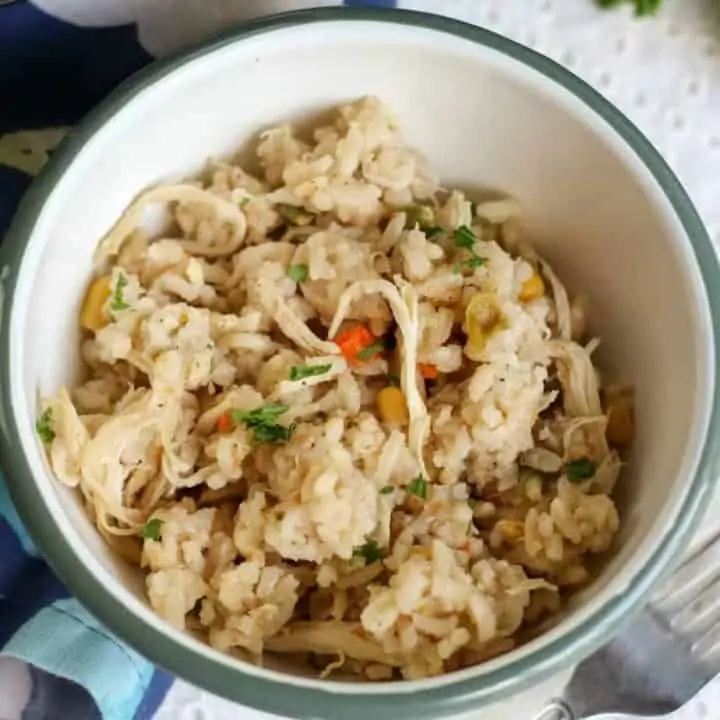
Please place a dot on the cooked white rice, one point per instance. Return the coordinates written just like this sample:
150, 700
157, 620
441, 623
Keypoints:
337, 409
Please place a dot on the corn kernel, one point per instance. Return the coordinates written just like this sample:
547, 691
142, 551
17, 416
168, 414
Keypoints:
92, 315
482, 317
621, 420
392, 406
532, 289
511, 530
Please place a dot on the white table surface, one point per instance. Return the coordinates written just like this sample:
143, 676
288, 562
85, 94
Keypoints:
664, 73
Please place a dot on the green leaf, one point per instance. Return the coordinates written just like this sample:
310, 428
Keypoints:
299, 372
387, 490
298, 273
152, 529
579, 470
642, 7
272, 433
433, 232
289, 212
263, 422
44, 427
295, 215
418, 486
370, 551
393, 380
264, 413
370, 351
464, 237
118, 301
474, 262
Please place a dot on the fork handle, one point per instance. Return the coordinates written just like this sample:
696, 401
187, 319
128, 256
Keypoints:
556, 710
560, 710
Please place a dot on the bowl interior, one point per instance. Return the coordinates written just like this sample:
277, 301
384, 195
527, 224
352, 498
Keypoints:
483, 119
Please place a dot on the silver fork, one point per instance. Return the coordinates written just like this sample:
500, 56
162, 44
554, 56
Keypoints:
666, 658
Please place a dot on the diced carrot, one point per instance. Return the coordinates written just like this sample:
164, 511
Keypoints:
427, 371
224, 422
354, 341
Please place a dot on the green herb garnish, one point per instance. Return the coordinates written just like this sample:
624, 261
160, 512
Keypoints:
464, 237
298, 273
370, 551
642, 7
263, 422
418, 486
474, 262
433, 232
44, 427
387, 490
393, 380
295, 215
370, 351
579, 470
152, 528
289, 212
118, 301
299, 372
245, 201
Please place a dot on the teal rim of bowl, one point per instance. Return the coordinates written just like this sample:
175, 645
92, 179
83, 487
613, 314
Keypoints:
386, 700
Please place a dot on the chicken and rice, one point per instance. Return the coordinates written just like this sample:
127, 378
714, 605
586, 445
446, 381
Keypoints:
339, 410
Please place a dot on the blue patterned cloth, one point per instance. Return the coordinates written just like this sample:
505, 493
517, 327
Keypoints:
58, 58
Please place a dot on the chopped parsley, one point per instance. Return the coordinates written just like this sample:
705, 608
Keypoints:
474, 262
44, 427
300, 372
245, 201
418, 486
263, 422
464, 237
289, 212
118, 301
295, 215
370, 551
642, 7
298, 273
393, 380
433, 232
579, 470
387, 490
370, 351
152, 528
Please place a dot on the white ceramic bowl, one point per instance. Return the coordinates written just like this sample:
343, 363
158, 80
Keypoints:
601, 204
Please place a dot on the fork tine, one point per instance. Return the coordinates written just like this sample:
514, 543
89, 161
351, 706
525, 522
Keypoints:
700, 615
707, 649
697, 573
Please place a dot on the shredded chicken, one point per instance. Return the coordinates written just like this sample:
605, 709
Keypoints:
404, 306
226, 212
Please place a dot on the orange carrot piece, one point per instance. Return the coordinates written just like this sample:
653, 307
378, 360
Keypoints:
427, 371
353, 341
224, 422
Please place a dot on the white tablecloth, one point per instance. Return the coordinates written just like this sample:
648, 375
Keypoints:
664, 73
